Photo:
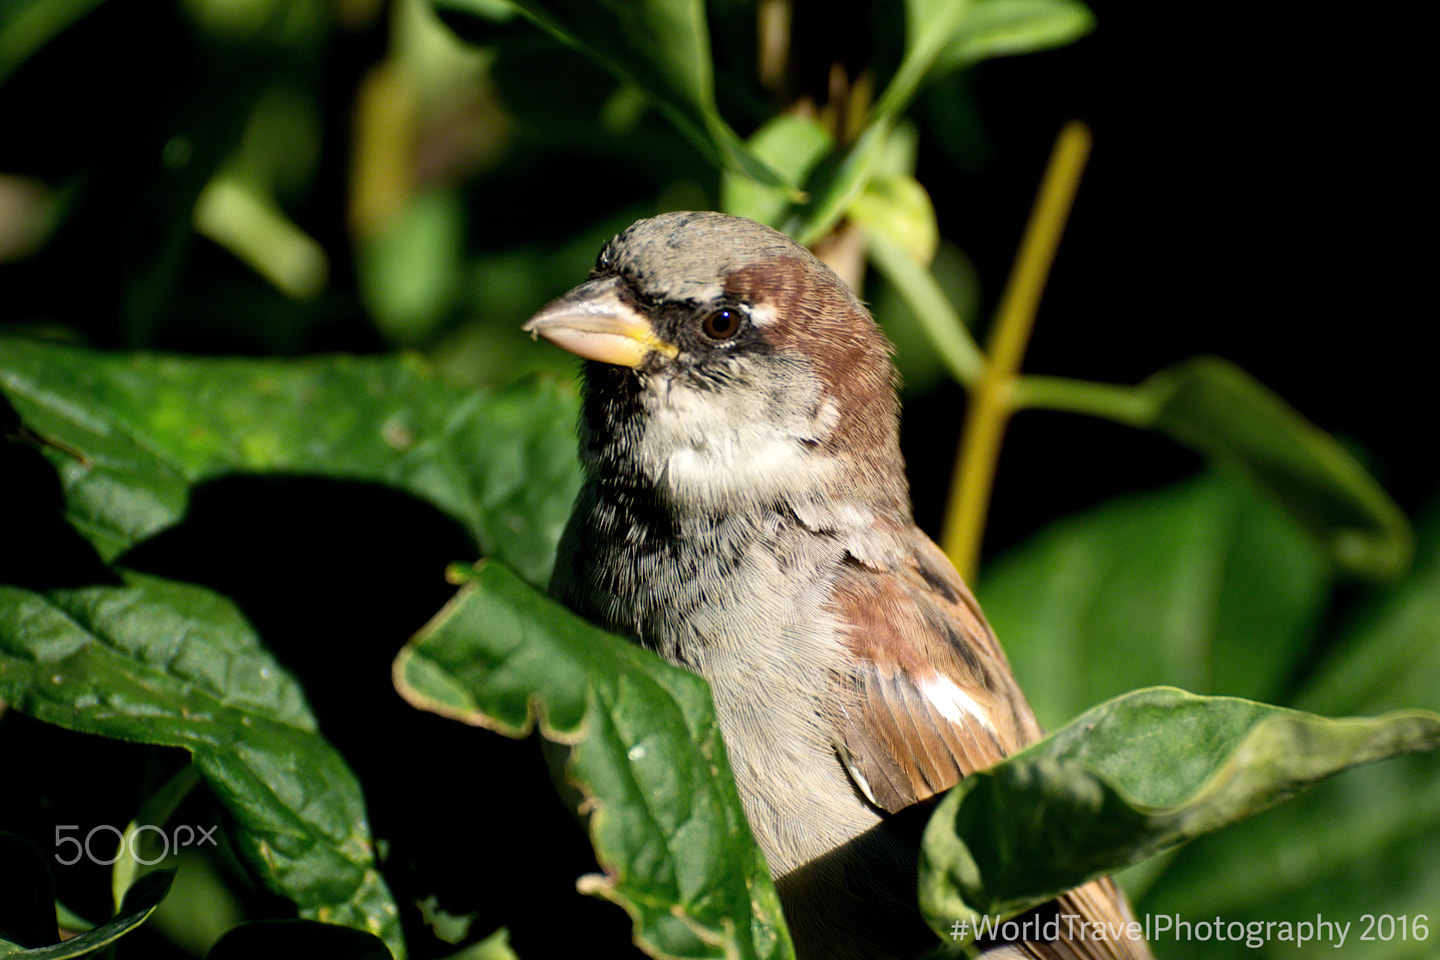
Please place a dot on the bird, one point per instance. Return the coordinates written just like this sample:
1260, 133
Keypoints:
744, 513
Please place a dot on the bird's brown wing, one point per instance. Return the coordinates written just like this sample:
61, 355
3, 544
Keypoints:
931, 699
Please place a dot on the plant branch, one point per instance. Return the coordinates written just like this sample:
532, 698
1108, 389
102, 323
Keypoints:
1132, 405
994, 398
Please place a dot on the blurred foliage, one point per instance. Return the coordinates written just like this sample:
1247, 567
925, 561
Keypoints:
223, 554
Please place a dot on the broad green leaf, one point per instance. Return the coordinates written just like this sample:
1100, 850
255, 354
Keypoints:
1125, 780
506, 463
1202, 585
660, 46
790, 145
174, 664
136, 431
139, 903
1367, 842
668, 829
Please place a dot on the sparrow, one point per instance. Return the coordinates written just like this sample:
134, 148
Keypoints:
745, 514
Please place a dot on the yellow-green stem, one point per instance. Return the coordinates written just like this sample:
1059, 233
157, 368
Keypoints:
992, 400
1133, 405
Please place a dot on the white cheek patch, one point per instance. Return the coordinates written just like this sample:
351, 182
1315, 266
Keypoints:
702, 453
733, 468
952, 702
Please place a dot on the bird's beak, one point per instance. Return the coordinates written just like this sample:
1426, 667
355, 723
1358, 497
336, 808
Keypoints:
593, 322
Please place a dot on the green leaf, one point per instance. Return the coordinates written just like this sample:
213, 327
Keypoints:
929, 26
247, 221
1367, 841
1390, 655
141, 850
666, 822
1125, 780
139, 903
790, 145
898, 208
174, 664
1000, 28
835, 183
26, 26
1214, 406
660, 46
1201, 585
410, 270
945, 35
137, 431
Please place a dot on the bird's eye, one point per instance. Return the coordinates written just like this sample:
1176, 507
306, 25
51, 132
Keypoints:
722, 324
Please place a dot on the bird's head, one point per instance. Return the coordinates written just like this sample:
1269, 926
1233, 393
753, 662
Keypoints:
729, 366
